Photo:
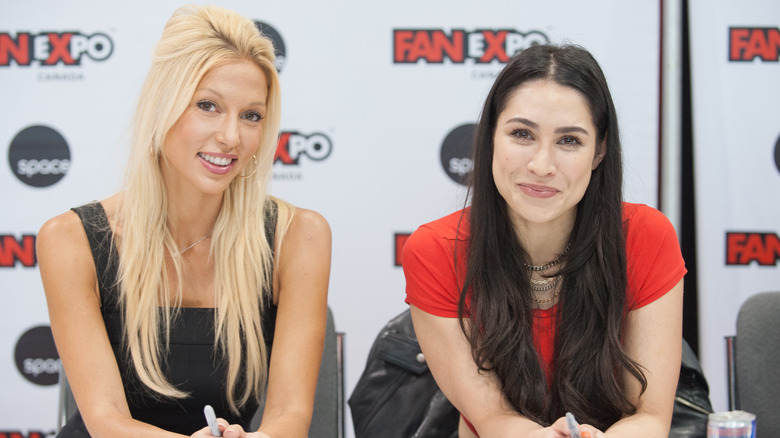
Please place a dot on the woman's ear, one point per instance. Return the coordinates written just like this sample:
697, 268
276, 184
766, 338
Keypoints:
601, 150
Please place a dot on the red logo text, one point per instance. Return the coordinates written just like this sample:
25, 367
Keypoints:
13, 251
747, 43
52, 48
20, 434
481, 46
293, 145
745, 248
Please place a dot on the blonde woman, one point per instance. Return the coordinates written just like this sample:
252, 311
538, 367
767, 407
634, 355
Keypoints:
192, 286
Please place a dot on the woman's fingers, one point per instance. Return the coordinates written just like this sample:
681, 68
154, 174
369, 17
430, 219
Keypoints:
588, 431
230, 430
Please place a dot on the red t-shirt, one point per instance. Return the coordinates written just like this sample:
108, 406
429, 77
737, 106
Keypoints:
434, 272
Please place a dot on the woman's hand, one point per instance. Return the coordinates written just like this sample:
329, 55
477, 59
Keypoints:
236, 431
561, 429
229, 431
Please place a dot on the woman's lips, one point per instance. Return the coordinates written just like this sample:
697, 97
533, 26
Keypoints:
217, 163
537, 191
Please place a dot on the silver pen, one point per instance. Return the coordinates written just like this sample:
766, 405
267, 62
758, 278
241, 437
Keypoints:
211, 419
574, 428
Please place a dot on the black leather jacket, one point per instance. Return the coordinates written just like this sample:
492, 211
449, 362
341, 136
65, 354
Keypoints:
396, 397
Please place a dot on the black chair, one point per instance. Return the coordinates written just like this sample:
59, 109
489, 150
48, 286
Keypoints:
753, 360
328, 416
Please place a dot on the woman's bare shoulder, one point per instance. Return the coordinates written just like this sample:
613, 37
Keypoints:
309, 220
66, 229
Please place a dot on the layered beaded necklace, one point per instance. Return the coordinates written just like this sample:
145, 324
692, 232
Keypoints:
548, 282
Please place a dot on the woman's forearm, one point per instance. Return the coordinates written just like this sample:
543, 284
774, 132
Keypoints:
640, 425
292, 424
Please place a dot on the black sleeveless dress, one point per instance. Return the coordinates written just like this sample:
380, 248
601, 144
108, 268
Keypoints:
191, 364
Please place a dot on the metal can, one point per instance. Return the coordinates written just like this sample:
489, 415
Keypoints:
732, 424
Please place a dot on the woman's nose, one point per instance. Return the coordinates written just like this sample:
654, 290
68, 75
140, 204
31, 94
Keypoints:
542, 161
228, 134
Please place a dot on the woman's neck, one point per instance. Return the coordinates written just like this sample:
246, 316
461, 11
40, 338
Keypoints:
543, 242
190, 218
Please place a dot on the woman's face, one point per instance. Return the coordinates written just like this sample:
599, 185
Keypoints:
544, 152
216, 136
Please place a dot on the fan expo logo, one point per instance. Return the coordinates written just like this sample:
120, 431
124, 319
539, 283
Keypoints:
291, 149
745, 248
39, 156
763, 248
480, 46
456, 153
30, 434
748, 43
52, 48
276, 38
21, 251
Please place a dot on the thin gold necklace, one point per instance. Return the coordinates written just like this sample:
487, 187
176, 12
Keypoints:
548, 299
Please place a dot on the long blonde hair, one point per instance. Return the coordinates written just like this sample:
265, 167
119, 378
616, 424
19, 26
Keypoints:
196, 40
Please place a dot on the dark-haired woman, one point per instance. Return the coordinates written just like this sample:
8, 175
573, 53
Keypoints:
549, 294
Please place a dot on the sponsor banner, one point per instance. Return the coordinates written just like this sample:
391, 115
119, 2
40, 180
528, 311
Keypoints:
379, 106
456, 153
39, 156
52, 48
749, 43
295, 148
458, 46
734, 70
17, 252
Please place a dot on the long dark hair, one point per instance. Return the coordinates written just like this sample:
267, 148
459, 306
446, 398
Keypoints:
588, 360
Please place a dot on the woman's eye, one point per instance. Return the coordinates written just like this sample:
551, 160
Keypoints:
570, 140
522, 134
252, 116
205, 105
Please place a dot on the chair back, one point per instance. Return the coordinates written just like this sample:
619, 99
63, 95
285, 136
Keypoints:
757, 357
328, 415
67, 404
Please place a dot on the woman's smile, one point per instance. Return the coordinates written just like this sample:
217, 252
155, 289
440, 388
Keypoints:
217, 163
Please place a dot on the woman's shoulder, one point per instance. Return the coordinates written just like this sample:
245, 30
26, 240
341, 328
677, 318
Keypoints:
653, 255
438, 239
454, 226
307, 219
61, 228
650, 237
641, 218
301, 223
68, 228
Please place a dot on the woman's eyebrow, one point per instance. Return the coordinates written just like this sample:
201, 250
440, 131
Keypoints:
561, 130
570, 129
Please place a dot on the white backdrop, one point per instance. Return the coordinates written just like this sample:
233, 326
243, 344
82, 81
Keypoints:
734, 76
383, 122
